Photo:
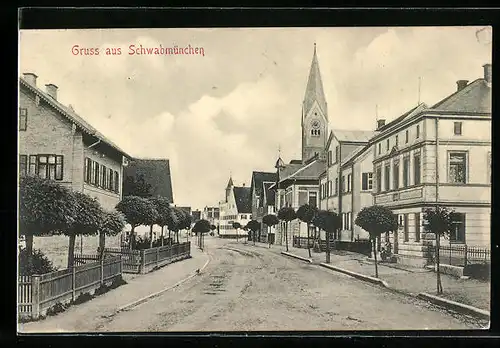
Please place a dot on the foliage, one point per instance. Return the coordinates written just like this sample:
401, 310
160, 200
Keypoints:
136, 186
213, 227
40, 263
236, 225
438, 220
137, 210
162, 206
44, 206
201, 226
287, 214
185, 221
88, 215
174, 219
253, 225
144, 242
112, 223
376, 220
328, 221
306, 213
270, 220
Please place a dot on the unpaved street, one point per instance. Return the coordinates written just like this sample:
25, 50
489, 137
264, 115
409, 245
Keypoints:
250, 288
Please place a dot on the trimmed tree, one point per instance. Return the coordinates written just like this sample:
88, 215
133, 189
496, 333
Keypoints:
270, 220
137, 211
162, 206
376, 220
306, 213
286, 214
136, 186
200, 227
112, 223
237, 226
253, 226
44, 207
88, 217
438, 220
329, 222
213, 228
151, 219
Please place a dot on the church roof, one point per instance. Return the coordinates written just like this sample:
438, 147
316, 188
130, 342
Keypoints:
243, 200
230, 182
314, 89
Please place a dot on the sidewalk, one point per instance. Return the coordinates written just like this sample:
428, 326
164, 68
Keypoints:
406, 279
85, 316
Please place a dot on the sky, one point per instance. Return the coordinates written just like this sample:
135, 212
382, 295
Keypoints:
228, 111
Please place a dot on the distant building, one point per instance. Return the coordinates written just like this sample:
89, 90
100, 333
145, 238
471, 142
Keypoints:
236, 207
262, 199
58, 144
151, 175
212, 215
196, 214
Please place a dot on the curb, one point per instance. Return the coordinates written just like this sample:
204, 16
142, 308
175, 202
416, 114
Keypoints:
296, 256
150, 296
457, 306
373, 280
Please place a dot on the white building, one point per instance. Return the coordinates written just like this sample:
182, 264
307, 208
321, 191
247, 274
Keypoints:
236, 207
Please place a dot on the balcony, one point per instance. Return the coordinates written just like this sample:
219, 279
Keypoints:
394, 197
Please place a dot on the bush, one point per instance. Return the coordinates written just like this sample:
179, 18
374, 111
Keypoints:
56, 309
40, 263
478, 271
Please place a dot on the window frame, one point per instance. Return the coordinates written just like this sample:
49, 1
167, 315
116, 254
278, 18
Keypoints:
387, 177
460, 128
407, 136
466, 166
378, 179
23, 161
406, 171
462, 230
23, 119
418, 131
417, 179
395, 175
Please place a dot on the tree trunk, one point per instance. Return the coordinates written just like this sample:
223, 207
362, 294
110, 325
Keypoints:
131, 240
71, 250
327, 246
29, 250
375, 256
286, 235
308, 237
177, 234
102, 244
438, 271
162, 235
150, 236
169, 237
254, 236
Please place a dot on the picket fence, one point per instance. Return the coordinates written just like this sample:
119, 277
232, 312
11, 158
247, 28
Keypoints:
37, 293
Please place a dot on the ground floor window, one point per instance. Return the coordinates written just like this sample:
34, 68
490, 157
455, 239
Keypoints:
457, 234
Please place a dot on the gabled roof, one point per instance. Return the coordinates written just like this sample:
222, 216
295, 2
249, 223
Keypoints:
352, 135
243, 200
314, 89
71, 115
186, 209
308, 171
258, 178
354, 153
417, 109
156, 172
269, 196
473, 98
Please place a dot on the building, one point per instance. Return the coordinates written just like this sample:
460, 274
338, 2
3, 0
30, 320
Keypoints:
438, 155
211, 214
196, 214
56, 143
151, 175
346, 186
236, 207
262, 199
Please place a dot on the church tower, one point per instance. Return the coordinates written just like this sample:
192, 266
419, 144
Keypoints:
314, 115
229, 188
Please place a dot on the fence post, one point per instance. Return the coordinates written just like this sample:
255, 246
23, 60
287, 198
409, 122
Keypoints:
142, 267
157, 256
465, 255
73, 282
102, 270
35, 296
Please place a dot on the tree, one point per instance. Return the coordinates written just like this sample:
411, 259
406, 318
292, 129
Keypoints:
136, 186
253, 226
270, 220
212, 229
163, 210
44, 207
306, 213
287, 214
112, 223
88, 217
329, 222
376, 220
137, 211
438, 220
200, 227
175, 221
237, 226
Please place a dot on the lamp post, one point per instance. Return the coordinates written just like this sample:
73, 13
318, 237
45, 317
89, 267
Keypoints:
279, 165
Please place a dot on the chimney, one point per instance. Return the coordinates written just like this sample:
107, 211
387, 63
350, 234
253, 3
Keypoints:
487, 72
461, 84
51, 90
380, 124
243, 184
31, 78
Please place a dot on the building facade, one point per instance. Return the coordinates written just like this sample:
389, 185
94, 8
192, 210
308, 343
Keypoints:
56, 143
438, 155
211, 214
262, 200
236, 207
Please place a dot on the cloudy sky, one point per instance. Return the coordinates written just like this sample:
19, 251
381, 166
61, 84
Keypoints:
229, 110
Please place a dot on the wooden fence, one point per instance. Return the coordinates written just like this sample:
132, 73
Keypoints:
143, 261
463, 255
37, 293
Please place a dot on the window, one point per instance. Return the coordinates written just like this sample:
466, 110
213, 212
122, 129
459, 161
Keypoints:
88, 170
33, 167
387, 177
418, 131
417, 227
330, 188
349, 182
336, 186
416, 168
59, 167
457, 128
366, 181
48, 166
406, 137
302, 197
110, 179
337, 153
378, 177
23, 119
312, 199
315, 132
116, 181
488, 168
405, 227
457, 234
406, 171
343, 184
395, 173
397, 140
23, 165
457, 167
330, 158
387, 145
379, 148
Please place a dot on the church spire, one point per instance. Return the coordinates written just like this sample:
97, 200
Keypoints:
314, 89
